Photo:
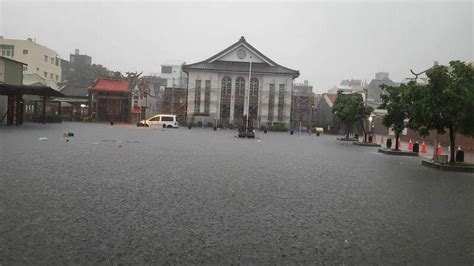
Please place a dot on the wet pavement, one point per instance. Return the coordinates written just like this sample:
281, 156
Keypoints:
132, 195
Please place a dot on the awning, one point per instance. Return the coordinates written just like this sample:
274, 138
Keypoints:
9, 89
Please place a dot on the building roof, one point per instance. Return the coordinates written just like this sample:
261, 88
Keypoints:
9, 89
111, 85
74, 91
329, 98
268, 66
11, 60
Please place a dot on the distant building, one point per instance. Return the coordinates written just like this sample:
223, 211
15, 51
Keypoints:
349, 85
325, 117
39, 59
172, 72
374, 90
171, 90
217, 87
144, 99
303, 105
76, 61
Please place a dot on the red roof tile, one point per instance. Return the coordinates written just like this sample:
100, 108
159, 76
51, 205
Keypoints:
111, 85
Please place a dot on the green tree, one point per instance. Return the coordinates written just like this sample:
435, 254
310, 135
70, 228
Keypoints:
85, 75
445, 104
349, 108
394, 101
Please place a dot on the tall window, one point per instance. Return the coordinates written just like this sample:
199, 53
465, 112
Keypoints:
254, 87
207, 96
240, 86
271, 102
226, 86
281, 101
46, 58
25, 51
197, 97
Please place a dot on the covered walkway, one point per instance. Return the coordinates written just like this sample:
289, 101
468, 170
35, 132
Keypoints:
15, 103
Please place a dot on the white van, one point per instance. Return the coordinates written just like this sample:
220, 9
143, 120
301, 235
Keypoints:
168, 121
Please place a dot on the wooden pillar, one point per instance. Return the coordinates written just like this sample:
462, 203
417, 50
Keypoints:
44, 109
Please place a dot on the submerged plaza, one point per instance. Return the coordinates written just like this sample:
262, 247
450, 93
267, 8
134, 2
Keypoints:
126, 195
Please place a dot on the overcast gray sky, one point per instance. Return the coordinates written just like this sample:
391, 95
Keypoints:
326, 42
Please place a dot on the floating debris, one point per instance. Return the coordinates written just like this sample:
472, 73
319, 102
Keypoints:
43, 138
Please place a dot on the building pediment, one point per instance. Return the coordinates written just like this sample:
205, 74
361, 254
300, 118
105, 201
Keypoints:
241, 53
236, 58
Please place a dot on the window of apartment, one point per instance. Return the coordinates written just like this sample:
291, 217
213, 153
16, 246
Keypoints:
57, 61
46, 58
166, 69
207, 96
37, 69
25, 51
197, 96
240, 86
25, 68
8, 53
57, 77
51, 75
45, 74
271, 101
52, 60
281, 101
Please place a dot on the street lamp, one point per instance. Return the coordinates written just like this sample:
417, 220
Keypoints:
82, 111
366, 91
370, 125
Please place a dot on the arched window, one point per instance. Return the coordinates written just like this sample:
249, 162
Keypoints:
253, 87
240, 86
226, 86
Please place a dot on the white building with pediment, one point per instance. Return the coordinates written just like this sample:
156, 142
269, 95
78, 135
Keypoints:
217, 86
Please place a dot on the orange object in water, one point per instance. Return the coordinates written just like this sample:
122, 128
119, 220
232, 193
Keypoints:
423, 147
439, 150
410, 145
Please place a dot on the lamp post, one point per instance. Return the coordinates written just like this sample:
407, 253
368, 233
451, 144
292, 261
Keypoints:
365, 122
370, 125
311, 119
82, 111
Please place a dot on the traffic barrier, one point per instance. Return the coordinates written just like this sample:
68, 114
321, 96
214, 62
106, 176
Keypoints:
439, 150
381, 140
423, 147
410, 145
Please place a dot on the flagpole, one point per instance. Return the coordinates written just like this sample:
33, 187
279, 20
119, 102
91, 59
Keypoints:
247, 95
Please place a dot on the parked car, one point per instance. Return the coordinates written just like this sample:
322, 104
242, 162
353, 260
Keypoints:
161, 120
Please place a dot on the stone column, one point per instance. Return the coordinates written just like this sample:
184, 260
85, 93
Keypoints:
232, 99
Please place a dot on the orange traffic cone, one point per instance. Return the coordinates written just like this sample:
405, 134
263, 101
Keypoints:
439, 150
459, 148
423, 147
410, 145
381, 140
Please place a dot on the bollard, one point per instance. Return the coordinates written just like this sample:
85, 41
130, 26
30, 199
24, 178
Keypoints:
189, 127
111, 123
215, 128
265, 131
291, 132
